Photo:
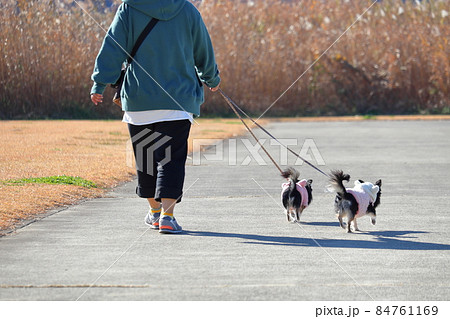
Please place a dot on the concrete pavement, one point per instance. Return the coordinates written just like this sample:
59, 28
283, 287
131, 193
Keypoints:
237, 244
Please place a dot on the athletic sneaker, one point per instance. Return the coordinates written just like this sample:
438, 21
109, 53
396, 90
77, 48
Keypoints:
152, 220
169, 225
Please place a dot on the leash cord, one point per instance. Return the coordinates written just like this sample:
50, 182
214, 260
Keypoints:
235, 107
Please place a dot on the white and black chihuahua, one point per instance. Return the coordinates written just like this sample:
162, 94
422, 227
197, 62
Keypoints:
296, 195
354, 202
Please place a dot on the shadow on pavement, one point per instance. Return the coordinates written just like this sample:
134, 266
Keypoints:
381, 240
395, 233
331, 224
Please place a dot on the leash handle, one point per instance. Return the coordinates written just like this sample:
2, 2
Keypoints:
234, 106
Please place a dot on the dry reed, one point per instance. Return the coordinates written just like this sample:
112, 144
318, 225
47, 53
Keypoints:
395, 60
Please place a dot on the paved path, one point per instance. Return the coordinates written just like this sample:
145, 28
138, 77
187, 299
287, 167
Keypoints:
238, 244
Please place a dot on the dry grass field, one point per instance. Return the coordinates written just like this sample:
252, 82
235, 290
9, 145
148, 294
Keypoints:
394, 60
93, 150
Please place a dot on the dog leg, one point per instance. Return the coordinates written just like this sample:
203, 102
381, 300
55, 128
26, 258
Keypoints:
291, 215
349, 223
355, 225
298, 213
340, 221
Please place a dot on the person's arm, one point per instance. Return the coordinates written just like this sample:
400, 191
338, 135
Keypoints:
205, 61
96, 98
112, 54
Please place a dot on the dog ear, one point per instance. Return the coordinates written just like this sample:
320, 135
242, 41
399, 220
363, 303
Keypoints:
378, 182
361, 181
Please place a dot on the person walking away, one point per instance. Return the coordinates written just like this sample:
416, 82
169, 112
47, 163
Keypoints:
161, 94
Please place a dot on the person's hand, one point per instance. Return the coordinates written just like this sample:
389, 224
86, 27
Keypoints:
96, 98
214, 89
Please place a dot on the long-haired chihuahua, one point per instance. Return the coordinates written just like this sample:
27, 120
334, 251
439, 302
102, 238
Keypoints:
354, 202
296, 194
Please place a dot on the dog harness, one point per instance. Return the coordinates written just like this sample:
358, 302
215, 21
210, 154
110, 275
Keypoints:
301, 189
364, 193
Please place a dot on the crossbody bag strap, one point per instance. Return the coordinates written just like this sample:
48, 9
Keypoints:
141, 38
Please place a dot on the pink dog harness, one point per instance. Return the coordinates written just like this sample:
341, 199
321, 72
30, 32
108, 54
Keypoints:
301, 189
364, 193
362, 199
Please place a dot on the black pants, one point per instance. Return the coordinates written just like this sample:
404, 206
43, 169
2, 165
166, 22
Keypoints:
160, 150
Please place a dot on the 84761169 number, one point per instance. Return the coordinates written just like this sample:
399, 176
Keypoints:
407, 310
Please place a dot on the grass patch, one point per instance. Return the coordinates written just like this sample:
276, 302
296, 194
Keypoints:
117, 134
60, 179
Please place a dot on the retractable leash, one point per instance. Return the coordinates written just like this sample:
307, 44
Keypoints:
235, 107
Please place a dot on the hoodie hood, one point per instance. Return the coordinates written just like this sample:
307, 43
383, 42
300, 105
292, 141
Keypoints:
160, 9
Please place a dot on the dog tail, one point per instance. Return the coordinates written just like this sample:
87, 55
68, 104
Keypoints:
291, 173
337, 177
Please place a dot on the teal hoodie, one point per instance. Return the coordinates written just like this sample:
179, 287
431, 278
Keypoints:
169, 64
